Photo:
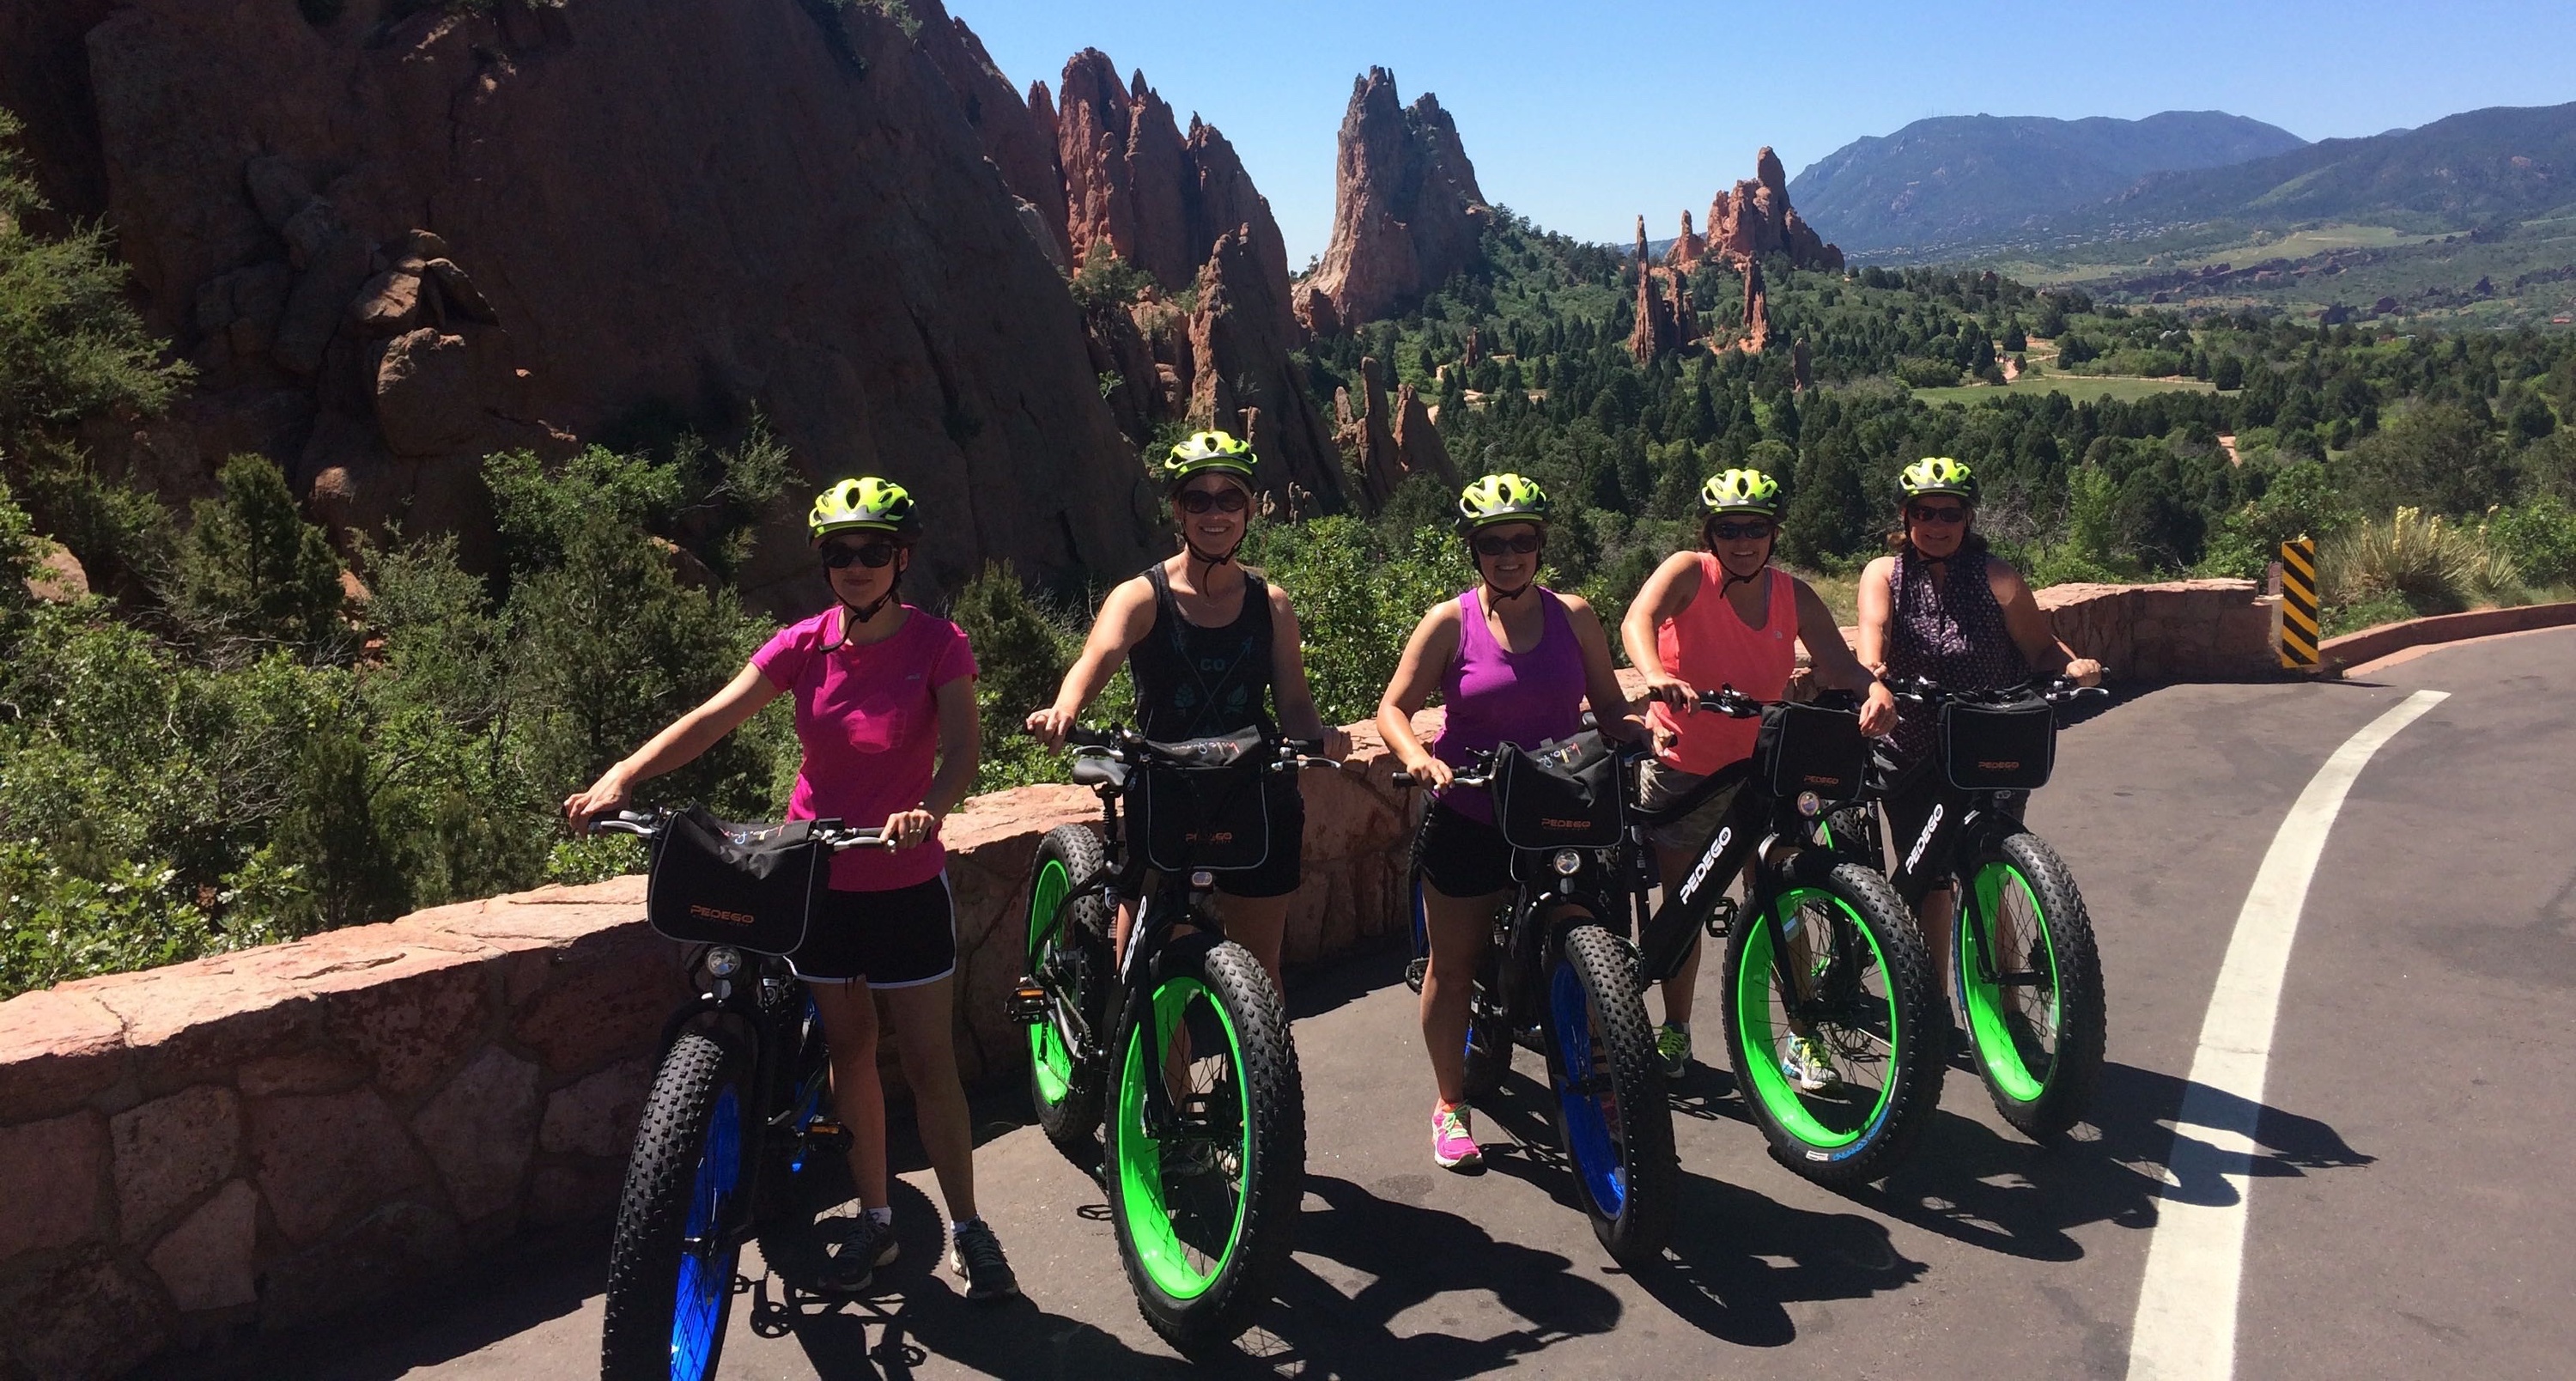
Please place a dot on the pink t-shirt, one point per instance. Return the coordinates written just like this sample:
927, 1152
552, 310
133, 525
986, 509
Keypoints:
869, 723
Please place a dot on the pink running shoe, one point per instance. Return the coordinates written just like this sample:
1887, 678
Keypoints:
1451, 1146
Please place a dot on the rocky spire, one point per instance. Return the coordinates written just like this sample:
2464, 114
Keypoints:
1406, 209
1240, 337
1688, 249
1755, 219
1018, 136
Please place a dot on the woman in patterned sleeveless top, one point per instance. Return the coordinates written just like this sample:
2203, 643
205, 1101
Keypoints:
1940, 605
1213, 649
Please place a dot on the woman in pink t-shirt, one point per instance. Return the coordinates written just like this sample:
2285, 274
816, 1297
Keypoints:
885, 713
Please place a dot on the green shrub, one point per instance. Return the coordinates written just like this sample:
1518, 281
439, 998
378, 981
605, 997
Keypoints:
1358, 596
1919, 372
252, 573
2421, 559
2538, 537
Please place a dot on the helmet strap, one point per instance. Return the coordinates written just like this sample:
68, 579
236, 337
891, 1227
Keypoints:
1212, 562
855, 614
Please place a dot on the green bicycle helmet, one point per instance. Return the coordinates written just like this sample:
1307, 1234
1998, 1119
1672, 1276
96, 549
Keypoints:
1502, 498
1938, 475
1741, 491
865, 504
1208, 452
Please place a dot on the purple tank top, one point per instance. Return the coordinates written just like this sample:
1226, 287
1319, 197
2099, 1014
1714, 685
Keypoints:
1493, 696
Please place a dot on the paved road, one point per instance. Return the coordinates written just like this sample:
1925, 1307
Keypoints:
2409, 1214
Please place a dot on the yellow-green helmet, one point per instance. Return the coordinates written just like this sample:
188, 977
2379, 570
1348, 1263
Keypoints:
1504, 498
1741, 491
864, 504
1938, 475
1208, 452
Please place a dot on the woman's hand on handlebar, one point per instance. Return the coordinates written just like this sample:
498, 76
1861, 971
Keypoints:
1432, 773
906, 828
1672, 692
605, 797
1878, 711
1337, 745
2083, 671
1049, 725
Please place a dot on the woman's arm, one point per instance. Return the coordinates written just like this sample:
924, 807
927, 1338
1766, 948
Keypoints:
1600, 681
689, 735
961, 745
1667, 593
1125, 618
2030, 629
1877, 606
1294, 698
1835, 666
1427, 655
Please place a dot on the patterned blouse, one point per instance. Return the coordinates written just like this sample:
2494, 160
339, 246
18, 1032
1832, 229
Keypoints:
1947, 626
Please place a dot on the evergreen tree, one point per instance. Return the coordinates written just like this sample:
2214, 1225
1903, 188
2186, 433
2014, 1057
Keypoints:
251, 569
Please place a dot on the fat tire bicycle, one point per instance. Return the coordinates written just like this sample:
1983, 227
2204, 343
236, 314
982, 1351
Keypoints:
1822, 947
736, 1120
2023, 961
1178, 1050
1558, 980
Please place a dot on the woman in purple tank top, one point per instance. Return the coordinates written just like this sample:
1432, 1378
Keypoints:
1513, 662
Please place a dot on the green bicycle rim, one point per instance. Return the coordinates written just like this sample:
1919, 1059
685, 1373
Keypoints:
1050, 1064
1761, 1041
1984, 997
1140, 1157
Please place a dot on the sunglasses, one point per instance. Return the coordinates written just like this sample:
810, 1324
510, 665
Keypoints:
874, 555
1522, 545
1943, 516
1226, 500
1739, 532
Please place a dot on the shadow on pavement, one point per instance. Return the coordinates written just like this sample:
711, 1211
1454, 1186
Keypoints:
1991, 1189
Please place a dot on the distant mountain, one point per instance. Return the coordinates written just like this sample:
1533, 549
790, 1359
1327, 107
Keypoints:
1978, 178
2505, 163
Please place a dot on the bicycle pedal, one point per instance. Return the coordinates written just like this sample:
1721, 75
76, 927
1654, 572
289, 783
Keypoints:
1721, 918
1414, 970
823, 1131
1027, 1004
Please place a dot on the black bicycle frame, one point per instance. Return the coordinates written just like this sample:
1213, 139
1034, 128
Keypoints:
1961, 824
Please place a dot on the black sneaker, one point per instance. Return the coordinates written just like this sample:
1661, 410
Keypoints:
977, 1259
865, 1246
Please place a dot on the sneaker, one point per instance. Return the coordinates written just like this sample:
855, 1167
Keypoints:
1451, 1147
866, 1245
1672, 1049
1805, 1062
976, 1256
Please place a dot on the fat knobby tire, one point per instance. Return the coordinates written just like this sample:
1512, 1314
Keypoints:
1919, 1018
653, 1210
1608, 973
1072, 1122
2082, 1020
1274, 1180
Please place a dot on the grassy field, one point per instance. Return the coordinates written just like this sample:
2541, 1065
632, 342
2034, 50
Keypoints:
2077, 387
2077, 266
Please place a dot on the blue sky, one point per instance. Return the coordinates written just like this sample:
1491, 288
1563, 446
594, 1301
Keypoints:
1582, 117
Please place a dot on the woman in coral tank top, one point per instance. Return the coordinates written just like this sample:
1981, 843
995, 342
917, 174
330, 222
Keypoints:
1723, 616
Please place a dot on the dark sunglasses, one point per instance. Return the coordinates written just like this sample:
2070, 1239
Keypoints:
1943, 516
875, 555
1740, 532
1522, 545
1197, 501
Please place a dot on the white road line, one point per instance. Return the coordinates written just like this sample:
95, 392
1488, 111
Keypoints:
2186, 1323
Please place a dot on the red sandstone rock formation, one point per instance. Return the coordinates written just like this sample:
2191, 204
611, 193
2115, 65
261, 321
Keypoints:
1016, 136
1406, 209
1755, 219
1239, 348
1688, 249
1664, 319
1388, 443
1757, 311
1418, 447
391, 249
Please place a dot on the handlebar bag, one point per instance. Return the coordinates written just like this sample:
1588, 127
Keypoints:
2007, 747
750, 886
1804, 747
1563, 794
1214, 817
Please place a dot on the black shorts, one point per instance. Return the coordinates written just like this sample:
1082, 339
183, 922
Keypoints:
1283, 866
1462, 856
900, 938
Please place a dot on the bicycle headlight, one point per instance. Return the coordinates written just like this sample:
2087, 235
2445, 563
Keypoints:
1810, 804
723, 961
1568, 862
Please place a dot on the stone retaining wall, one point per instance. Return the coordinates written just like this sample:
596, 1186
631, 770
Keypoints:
260, 1139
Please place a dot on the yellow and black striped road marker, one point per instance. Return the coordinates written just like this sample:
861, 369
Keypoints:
2299, 604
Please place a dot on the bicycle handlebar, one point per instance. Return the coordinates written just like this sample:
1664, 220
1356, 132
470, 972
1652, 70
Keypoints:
1130, 746
647, 823
2056, 690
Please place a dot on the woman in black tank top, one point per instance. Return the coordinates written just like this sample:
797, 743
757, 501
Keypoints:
1213, 649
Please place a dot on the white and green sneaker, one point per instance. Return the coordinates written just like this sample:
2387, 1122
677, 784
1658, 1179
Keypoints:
1805, 1062
1672, 1049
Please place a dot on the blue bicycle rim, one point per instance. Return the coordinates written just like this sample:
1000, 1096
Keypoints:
706, 1275
1587, 1124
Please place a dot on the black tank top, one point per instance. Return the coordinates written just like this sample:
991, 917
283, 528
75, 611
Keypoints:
1193, 682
